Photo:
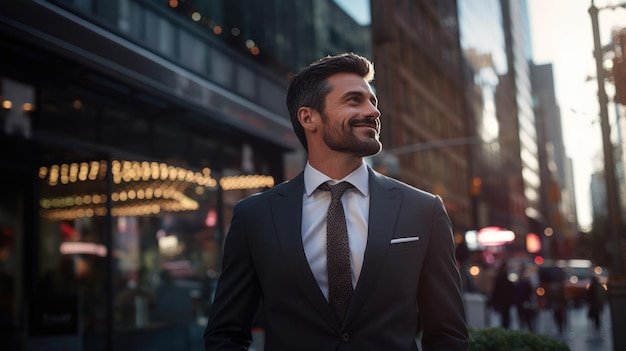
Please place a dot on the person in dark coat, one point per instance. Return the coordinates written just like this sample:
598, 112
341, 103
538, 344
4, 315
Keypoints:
524, 300
400, 240
502, 295
595, 301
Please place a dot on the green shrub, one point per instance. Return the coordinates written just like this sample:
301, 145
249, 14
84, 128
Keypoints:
500, 339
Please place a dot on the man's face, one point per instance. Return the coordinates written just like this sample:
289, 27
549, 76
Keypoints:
351, 118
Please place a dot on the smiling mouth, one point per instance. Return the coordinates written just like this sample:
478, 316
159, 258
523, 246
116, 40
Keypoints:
367, 124
372, 131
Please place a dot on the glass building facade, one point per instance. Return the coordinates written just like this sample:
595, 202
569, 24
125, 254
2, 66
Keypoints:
496, 42
484, 51
524, 133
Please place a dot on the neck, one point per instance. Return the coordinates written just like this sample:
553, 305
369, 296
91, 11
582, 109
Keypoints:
334, 166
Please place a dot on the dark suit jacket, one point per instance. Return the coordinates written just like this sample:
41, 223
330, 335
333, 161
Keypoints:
264, 258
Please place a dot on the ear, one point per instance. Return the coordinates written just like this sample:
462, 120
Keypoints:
307, 118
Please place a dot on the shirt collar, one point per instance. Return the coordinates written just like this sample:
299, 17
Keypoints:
358, 178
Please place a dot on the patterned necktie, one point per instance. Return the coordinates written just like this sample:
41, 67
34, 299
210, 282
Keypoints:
338, 252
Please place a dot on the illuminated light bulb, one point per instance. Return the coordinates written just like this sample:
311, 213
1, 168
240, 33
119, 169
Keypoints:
68, 201
43, 172
172, 174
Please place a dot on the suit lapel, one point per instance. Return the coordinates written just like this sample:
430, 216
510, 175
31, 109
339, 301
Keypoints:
287, 214
385, 201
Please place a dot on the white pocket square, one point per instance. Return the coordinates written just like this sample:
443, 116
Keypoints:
404, 240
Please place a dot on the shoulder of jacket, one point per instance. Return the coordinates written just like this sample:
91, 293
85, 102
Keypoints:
265, 194
395, 183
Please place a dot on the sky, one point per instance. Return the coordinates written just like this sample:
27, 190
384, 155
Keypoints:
562, 35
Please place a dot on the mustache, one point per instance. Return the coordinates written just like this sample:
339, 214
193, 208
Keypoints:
374, 123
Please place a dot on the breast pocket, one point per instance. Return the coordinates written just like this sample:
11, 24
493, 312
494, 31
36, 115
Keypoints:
403, 247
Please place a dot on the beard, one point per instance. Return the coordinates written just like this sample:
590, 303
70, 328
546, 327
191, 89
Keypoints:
337, 138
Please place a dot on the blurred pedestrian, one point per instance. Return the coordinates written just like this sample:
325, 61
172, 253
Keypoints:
595, 302
395, 242
462, 254
502, 294
524, 300
558, 302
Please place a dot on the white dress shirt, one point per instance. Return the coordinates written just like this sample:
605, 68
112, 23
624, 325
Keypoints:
356, 203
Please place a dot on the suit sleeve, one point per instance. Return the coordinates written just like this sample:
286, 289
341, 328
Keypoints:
440, 299
237, 295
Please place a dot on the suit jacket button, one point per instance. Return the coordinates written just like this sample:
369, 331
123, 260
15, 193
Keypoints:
345, 337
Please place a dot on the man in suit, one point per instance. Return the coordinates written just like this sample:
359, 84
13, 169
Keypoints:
402, 270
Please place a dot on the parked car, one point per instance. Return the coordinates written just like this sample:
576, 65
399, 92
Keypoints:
578, 274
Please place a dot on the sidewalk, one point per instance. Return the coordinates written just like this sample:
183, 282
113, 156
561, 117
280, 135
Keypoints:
581, 336
579, 333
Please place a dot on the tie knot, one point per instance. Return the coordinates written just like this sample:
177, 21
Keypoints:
337, 190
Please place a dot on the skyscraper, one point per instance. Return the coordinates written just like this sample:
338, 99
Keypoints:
418, 81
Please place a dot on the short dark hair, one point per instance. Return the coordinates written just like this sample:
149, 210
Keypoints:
309, 86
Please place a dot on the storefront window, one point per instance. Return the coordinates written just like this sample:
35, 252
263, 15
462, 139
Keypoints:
164, 237
166, 250
72, 251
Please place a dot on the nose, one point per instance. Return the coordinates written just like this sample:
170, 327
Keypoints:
373, 111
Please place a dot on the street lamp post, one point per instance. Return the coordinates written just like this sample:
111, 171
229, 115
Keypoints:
617, 283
